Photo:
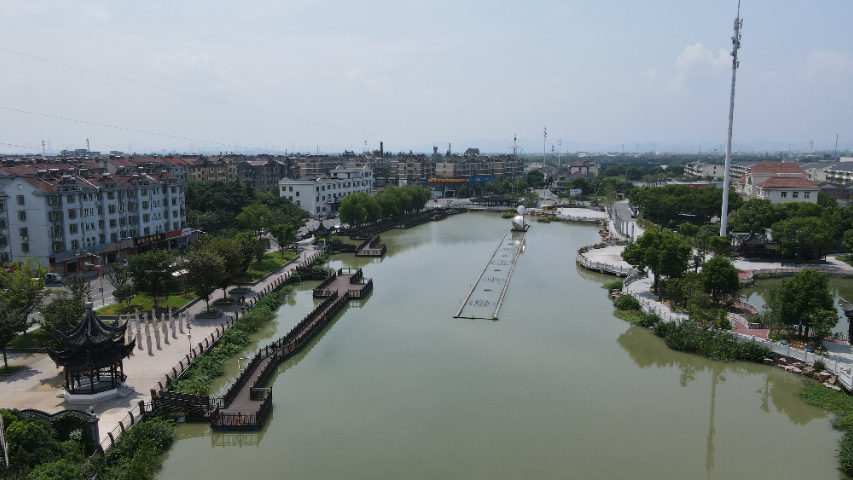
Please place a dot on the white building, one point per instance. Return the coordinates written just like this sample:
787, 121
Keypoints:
66, 220
322, 197
778, 182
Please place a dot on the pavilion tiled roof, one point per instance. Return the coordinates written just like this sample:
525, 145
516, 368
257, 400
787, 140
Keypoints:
91, 343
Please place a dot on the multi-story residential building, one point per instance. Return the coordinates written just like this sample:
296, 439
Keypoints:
501, 167
411, 169
584, 168
321, 197
840, 173
211, 169
701, 170
68, 218
262, 175
313, 166
778, 182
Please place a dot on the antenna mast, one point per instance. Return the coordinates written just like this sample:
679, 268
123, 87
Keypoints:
735, 64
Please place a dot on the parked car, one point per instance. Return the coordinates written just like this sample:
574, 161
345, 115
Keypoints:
52, 278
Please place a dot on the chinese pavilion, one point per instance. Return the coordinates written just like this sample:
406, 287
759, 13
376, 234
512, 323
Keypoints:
92, 358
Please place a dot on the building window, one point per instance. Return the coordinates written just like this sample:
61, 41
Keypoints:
114, 237
2, 206
806, 194
23, 232
796, 194
20, 199
102, 238
70, 198
22, 215
784, 194
145, 218
111, 195
72, 214
25, 247
100, 224
72, 228
75, 244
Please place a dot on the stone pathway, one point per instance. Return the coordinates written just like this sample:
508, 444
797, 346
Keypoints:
40, 385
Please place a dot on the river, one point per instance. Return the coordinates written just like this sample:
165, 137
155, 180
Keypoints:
557, 387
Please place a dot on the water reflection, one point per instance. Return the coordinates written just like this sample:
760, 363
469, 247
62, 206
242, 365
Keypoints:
224, 439
779, 388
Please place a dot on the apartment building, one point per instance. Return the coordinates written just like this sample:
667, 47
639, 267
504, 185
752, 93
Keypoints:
211, 169
68, 218
411, 169
322, 196
262, 175
500, 166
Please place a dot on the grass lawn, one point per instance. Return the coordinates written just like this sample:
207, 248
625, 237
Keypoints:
10, 370
272, 262
848, 259
27, 340
144, 303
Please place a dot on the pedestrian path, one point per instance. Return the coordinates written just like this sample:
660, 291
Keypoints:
40, 384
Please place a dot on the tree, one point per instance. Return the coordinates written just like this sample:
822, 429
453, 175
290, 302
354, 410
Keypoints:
719, 245
12, 323
230, 251
802, 297
79, 286
119, 277
284, 234
23, 285
583, 184
719, 278
848, 240
662, 252
803, 235
826, 200
535, 179
609, 196
822, 323
62, 312
152, 273
462, 192
255, 218
204, 273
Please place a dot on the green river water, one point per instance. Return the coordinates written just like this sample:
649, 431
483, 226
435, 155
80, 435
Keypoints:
557, 387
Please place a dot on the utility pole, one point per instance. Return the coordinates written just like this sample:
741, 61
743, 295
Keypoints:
544, 137
735, 64
87, 146
836, 147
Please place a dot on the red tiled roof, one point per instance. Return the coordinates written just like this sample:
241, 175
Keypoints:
776, 167
742, 180
39, 184
788, 182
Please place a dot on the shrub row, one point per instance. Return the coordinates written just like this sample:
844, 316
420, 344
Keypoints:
205, 368
715, 344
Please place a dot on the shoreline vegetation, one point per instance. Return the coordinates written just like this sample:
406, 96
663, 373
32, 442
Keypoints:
716, 344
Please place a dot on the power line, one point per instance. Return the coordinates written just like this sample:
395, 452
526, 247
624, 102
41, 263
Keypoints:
199, 97
165, 135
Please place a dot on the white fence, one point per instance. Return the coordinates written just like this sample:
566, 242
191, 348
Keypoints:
618, 270
840, 368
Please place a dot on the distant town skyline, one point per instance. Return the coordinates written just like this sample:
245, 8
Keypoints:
308, 76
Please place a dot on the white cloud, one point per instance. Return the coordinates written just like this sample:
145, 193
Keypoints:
696, 65
822, 64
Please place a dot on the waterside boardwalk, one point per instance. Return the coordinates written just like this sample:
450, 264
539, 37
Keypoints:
487, 293
247, 402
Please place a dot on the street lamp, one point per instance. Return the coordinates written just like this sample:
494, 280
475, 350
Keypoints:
190, 335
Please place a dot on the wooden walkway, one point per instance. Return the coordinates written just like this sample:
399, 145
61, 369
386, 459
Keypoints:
247, 402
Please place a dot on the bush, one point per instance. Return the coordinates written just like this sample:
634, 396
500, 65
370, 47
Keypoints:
137, 453
617, 285
715, 344
61, 469
819, 365
508, 214
649, 320
662, 329
627, 302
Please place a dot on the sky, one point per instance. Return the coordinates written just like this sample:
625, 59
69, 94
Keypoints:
329, 75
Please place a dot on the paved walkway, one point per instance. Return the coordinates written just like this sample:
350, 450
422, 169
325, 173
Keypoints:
40, 385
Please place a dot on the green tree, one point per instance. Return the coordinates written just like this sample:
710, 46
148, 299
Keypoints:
826, 200
230, 251
119, 277
719, 245
822, 323
255, 218
802, 236
719, 278
12, 323
609, 196
801, 297
79, 286
463, 191
664, 253
152, 273
583, 184
204, 273
848, 240
23, 285
284, 234
61, 469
